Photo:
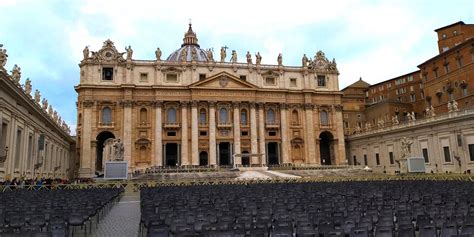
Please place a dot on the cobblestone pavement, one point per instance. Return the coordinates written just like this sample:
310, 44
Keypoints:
122, 220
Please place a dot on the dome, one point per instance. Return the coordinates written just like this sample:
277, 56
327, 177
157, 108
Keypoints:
189, 49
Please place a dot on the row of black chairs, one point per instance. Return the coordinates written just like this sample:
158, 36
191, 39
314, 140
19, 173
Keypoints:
54, 212
376, 208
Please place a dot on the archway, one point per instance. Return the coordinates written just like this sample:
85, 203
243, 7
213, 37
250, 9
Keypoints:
203, 161
245, 158
325, 140
101, 138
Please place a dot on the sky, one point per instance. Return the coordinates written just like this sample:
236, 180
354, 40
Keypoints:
375, 40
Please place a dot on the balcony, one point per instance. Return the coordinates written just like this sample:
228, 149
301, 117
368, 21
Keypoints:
106, 125
171, 125
272, 125
224, 125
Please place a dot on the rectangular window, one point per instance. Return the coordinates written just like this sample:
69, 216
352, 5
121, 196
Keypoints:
425, 155
460, 62
377, 158
410, 78
412, 97
272, 133
446, 68
171, 134
390, 156
30, 151
270, 81
107, 74
202, 133
293, 82
18, 149
173, 78
435, 72
321, 80
143, 77
346, 124
411, 88
244, 133
447, 154
471, 152
202, 77
354, 159
243, 77
365, 160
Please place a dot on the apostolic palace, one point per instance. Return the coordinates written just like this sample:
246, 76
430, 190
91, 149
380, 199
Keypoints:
191, 109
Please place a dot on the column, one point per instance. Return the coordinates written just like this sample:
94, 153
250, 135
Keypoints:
127, 132
194, 134
86, 168
237, 132
253, 134
310, 139
158, 161
341, 148
261, 134
184, 133
212, 133
285, 148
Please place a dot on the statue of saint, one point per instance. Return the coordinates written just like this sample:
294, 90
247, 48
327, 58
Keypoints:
432, 111
3, 56
16, 73
249, 58
223, 54
455, 106
28, 86
450, 107
395, 120
158, 54
50, 110
118, 149
413, 116
210, 55
55, 116
129, 52
406, 146
358, 129
280, 59
37, 96
86, 52
45, 104
258, 58
184, 55
233, 59
304, 60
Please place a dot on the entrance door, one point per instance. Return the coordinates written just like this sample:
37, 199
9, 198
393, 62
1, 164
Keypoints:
224, 154
272, 151
245, 159
101, 138
325, 140
171, 152
203, 161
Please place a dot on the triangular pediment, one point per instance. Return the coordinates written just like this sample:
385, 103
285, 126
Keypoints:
223, 80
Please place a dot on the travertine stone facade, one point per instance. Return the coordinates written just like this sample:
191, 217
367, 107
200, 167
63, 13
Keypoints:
33, 143
190, 110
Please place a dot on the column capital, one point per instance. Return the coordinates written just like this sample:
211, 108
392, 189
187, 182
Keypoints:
88, 103
235, 104
261, 105
184, 104
127, 103
283, 106
158, 104
338, 108
308, 106
212, 103
194, 103
252, 104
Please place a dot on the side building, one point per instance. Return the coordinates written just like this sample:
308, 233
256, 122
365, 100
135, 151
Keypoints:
34, 141
190, 110
427, 113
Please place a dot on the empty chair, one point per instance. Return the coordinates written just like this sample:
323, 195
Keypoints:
449, 229
384, 232
428, 231
467, 229
359, 232
406, 230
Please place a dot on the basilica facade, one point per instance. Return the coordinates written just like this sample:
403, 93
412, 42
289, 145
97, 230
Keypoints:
192, 110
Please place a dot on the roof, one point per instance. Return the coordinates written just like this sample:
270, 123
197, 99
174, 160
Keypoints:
358, 84
398, 77
444, 27
443, 54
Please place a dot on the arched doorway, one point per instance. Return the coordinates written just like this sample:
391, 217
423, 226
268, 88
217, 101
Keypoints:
325, 140
245, 158
203, 161
101, 138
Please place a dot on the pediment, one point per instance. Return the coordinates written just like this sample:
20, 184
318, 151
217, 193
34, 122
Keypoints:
223, 80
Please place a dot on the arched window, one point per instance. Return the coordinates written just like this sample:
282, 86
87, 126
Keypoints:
171, 115
270, 116
324, 117
294, 117
223, 115
202, 116
106, 115
243, 117
143, 115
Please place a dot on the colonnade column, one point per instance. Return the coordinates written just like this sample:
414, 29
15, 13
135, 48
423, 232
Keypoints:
184, 133
127, 131
253, 134
158, 161
212, 133
284, 134
341, 148
261, 133
85, 170
310, 139
237, 161
194, 134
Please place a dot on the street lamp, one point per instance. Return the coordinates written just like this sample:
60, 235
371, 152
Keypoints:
4, 157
